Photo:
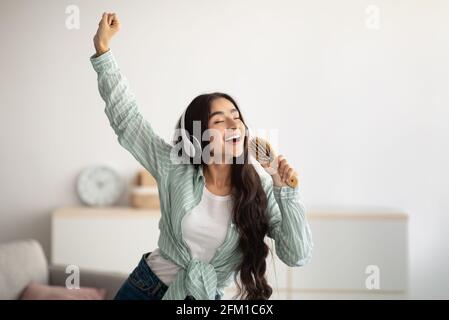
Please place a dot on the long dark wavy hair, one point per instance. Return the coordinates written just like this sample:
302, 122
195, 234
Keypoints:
249, 204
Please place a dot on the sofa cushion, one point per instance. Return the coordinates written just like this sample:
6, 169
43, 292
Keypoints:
37, 291
21, 262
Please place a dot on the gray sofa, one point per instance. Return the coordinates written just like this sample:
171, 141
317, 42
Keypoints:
24, 261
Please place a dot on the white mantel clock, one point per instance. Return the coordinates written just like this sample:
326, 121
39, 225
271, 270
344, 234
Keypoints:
99, 185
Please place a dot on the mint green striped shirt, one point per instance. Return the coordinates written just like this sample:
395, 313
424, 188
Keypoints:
180, 190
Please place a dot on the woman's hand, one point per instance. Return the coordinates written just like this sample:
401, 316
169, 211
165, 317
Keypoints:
108, 26
280, 170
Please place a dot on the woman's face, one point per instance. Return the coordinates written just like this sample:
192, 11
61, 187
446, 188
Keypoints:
226, 129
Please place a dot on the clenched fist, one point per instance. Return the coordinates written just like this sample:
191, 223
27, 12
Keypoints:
108, 26
280, 171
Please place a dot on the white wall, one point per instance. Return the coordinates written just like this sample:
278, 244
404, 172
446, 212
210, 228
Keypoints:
362, 113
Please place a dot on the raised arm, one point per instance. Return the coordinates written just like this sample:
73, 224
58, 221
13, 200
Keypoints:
288, 225
133, 132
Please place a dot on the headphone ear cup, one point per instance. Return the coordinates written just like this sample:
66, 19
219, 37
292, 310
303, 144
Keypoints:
188, 147
196, 146
191, 148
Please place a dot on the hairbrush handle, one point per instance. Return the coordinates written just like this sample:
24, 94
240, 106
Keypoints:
293, 182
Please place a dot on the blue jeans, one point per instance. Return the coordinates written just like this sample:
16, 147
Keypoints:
143, 284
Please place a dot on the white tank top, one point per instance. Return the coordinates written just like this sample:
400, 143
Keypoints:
204, 230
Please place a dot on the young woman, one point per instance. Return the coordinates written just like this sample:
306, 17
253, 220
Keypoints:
216, 208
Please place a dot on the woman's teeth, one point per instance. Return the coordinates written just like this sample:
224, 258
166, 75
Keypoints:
233, 138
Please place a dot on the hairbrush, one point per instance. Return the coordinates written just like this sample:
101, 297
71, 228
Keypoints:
264, 153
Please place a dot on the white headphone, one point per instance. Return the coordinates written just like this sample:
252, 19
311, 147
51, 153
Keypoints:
189, 148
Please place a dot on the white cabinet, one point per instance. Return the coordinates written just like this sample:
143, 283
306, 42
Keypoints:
352, 249
108, 238
348, 244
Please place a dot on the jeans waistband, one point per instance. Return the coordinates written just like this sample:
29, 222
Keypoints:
158, 288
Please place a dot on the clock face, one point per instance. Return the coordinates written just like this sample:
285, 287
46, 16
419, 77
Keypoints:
99, 186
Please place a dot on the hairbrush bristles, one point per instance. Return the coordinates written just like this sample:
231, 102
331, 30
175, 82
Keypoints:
261, 150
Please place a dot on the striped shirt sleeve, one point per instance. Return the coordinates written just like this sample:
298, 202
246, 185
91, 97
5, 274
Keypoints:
288, 225
133, 132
